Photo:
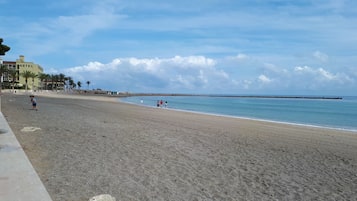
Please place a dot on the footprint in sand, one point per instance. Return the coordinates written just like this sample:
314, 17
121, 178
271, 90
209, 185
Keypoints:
103, 197
30, 129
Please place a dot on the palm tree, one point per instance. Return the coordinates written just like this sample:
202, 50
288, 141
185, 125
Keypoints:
33, 76
26, 74
88, 82
53, 77
3, 48
54, 80
3, 69
13, 74
61, 79
66, 83
79, 84
43, 77
70, 83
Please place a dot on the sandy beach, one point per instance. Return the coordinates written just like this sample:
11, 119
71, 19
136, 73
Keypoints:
82, 146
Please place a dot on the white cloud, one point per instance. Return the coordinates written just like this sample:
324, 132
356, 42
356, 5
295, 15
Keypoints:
303, 69
238, 58
242, 56
146, 65
186, 82
264, 79
179, 73
320, 56
273, 69
318, 74
247, 84
92, 67
193, 61
199, 74
322, 78
326, 75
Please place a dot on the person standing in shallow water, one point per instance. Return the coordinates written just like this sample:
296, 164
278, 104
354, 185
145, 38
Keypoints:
34, 102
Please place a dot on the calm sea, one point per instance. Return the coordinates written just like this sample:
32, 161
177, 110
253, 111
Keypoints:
330, 113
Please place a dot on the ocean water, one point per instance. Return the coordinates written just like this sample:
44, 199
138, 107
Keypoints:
329, 113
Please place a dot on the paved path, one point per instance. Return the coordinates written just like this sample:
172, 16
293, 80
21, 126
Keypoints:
18, 179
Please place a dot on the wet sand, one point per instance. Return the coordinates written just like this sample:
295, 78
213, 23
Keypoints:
88, 146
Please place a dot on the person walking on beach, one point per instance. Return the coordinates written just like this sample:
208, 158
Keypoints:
34, 102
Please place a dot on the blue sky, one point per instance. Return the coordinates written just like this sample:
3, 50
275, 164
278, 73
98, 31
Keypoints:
288, 47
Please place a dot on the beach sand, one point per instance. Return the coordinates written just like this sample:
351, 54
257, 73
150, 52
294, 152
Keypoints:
86, 147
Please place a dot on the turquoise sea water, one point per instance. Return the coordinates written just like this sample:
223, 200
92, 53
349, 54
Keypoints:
331, 113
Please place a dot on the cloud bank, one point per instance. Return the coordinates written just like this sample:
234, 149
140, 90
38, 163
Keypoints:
199, 74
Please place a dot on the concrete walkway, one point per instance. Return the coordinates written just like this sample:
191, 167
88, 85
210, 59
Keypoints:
18, 179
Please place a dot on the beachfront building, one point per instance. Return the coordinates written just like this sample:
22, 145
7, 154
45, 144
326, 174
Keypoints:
54, 82
23, 66
9, 79
19, 81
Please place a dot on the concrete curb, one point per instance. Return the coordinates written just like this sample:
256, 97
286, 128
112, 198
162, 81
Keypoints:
18, 179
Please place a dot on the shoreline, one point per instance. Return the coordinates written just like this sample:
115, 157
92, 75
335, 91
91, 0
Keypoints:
264, 120
117, 98
241, 96
353, 130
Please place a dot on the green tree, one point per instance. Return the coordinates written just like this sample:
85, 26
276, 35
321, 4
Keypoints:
13, 73
61, 79
54, 80
3, 48
88, 83
26, 74
33, 76
66, 83
43, 77
70, 83
79, 84
3, 69
52, 77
